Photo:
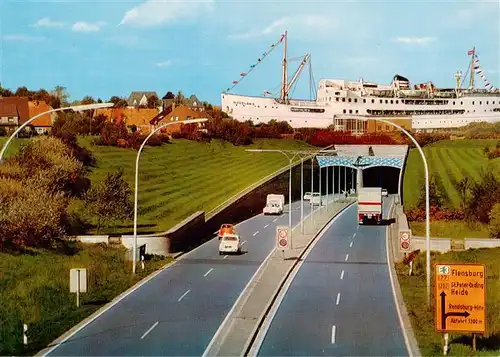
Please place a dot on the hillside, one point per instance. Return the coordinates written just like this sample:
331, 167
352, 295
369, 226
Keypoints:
449, 161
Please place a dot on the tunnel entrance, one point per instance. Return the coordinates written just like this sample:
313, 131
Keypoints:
382, 176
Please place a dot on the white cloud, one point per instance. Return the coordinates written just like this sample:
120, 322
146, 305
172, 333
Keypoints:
82, 26
164, 64
299, 24
154, 13
416, 40
22, 38
46, 22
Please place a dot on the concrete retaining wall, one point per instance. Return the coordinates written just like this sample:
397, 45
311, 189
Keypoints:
481, 243
90, 239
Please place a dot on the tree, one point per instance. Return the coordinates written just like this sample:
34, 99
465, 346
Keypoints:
169, 95
435, 197
23, 92
109, 199
179, 99
87, 100
119, 102
61, 93
153, 101
463, 187
494, 225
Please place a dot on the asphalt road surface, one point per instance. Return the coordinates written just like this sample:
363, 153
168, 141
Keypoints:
178, 311
341, 301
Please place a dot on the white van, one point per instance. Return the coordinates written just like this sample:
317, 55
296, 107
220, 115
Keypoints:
230, 243
316, 199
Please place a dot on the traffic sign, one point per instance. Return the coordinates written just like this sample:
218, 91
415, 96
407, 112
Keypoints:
460, 298
282, 237
404, 240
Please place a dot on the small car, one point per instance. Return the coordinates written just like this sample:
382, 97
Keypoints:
230, 243
384, 192
226, 228
307, 196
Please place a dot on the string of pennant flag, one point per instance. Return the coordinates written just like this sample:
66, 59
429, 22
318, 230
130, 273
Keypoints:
479, 70
259, 60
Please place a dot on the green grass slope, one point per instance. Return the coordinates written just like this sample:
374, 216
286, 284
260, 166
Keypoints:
449, 161
178, 179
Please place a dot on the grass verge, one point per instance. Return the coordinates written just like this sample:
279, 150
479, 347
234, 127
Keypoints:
34, 290
451, 229
422, 320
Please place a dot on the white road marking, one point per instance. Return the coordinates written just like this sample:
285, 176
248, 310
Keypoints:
149, 330
354, 235
225, 256
342, 275
338, 299
333, 334
256, 233
208, 272
259, 339
183, 295
267, 225
243, 242
275, 220
346, 257
350, 245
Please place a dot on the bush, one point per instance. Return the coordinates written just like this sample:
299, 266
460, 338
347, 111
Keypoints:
30, 214
54, 164
484, 195
3, 132
494, 225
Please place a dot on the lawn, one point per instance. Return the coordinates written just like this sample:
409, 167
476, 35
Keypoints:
451, 229
414, 294
449, 161
180, 178
34, 289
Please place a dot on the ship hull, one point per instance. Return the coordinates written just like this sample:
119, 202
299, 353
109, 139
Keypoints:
440, 114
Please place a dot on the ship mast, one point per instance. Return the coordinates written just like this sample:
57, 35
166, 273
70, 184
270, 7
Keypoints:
285, 74
471, 84
297, 73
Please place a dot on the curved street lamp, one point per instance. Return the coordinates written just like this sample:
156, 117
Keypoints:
191, 121
427, 215
76, 108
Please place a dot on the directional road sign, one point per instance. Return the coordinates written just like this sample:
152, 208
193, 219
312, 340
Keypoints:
460, 297
404, 240
282, 237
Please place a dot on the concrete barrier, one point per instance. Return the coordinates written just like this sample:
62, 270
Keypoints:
90, 239
441, 245
481, 243
154, 245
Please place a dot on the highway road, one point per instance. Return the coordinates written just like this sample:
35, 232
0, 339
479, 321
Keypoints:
178, 311
340, 301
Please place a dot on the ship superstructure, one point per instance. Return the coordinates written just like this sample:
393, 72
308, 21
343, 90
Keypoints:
338, 100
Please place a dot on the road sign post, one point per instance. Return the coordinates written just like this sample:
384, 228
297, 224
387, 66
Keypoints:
283, 239
404, 240
460, 298
78, 282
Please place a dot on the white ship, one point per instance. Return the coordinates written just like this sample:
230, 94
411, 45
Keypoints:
338, 100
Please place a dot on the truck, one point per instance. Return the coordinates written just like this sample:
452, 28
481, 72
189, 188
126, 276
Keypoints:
274, 204
369, 204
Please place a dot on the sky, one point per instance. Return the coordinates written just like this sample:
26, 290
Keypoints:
106, 48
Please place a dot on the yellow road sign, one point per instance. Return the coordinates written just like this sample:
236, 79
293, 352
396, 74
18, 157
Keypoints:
460, 297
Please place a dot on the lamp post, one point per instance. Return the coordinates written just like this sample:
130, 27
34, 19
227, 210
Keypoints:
191, 121
76, 108
427, 216
290, 155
